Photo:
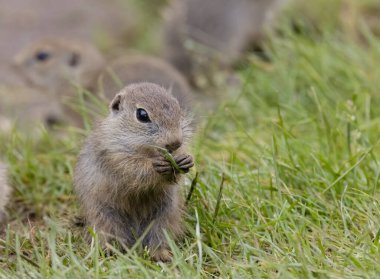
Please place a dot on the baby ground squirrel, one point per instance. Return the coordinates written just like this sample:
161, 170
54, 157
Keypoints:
123, 182
217, 31
4, 192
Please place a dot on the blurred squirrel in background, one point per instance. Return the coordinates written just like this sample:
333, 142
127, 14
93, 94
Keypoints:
204, 33
198, 34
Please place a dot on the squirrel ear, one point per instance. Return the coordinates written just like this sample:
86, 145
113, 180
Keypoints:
74, 59
115, 104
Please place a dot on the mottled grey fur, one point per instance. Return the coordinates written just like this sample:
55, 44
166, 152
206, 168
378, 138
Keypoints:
123, 183
4, 192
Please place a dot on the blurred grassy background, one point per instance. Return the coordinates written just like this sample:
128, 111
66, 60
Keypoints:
298, 148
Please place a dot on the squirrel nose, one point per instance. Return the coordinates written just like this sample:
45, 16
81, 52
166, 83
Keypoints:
173, 146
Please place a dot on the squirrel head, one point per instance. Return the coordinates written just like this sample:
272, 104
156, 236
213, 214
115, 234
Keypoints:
55, 63
145, 116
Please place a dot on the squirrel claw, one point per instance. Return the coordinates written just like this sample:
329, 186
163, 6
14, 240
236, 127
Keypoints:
185, 162
187, 167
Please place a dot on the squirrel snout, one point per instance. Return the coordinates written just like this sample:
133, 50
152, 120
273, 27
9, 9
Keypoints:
173, 146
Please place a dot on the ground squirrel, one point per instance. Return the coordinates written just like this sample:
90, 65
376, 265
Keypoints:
55, 65
124, 183
144, 68
4, 191
216, 30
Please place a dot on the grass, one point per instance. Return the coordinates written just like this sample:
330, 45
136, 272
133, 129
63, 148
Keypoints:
287, 182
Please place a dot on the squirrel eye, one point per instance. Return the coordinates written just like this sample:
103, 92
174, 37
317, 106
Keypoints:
42, 56
142, 115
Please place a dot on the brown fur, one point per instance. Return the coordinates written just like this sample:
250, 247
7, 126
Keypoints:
213, 31
4, 192
143, 68
122, 181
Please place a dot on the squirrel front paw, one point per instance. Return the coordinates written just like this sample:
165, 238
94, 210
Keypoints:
163, 166
184, 162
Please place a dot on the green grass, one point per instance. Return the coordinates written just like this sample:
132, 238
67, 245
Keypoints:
287, 185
